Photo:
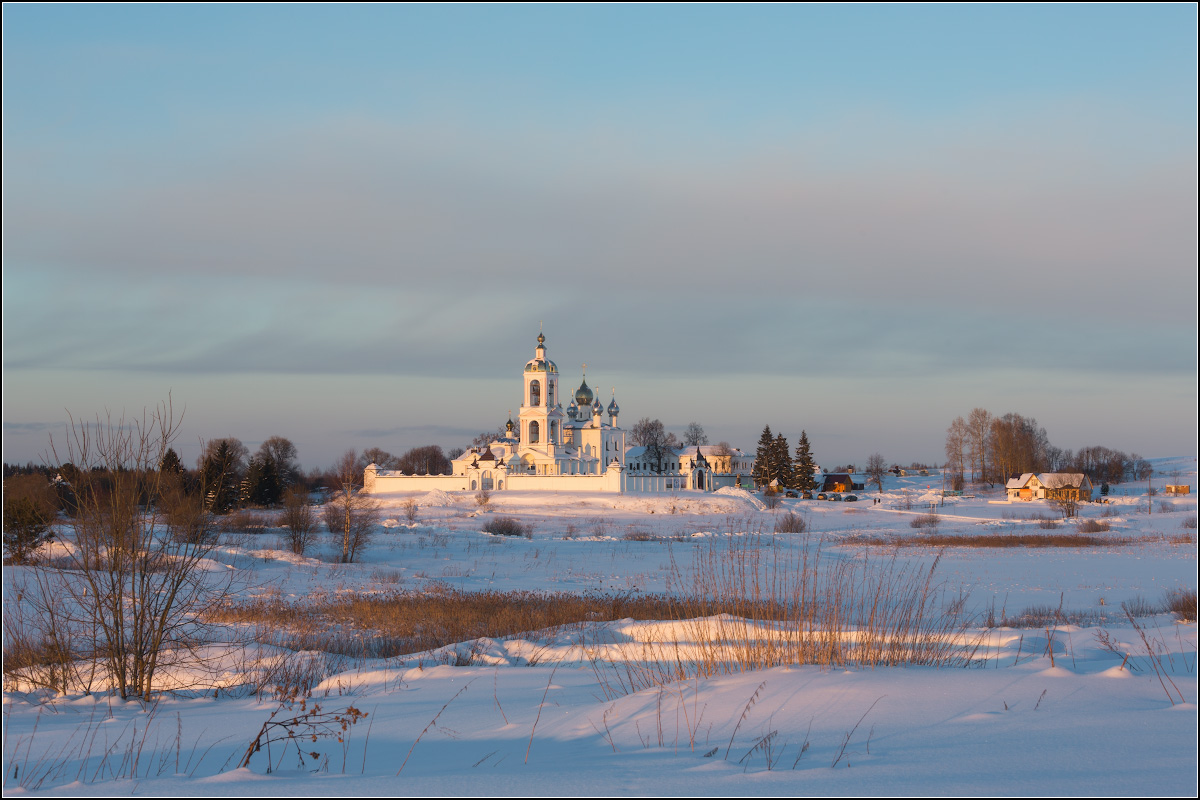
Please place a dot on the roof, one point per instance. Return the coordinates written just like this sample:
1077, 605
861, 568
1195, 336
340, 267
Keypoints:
1018, 483
1062, 480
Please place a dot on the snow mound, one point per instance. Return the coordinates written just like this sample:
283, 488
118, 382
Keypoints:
741, 494
436, 499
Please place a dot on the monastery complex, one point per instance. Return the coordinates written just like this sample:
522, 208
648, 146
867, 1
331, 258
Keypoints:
550, 448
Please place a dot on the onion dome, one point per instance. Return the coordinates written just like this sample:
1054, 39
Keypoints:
613, 408
583, 395
597, 407
572, 410
508, 426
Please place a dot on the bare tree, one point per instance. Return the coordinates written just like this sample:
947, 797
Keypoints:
427, 460
128, 597
659, 444
298, 518
283, 452
379, 457
957, 437
979, 425
348, 512
694, 435
876, 469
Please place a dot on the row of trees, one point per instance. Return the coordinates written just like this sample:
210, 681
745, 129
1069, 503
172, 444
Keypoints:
773, 461
993, 449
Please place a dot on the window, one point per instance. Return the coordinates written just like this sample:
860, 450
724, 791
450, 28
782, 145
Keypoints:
535, 430
535, 394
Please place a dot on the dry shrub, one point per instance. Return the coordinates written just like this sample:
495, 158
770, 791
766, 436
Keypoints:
1140, 607
245, 521
298, 520
638, 535
771, 499
925, 521
1094, 526
410, 507
508, 526
791, 523
1042, 616
1048, 524
1182, 603
1189, 523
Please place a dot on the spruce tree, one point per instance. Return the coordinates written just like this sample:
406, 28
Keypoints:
783, 462
803, 466
763, 457
220, 480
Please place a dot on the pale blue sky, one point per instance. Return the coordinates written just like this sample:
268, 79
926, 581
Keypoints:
343, 224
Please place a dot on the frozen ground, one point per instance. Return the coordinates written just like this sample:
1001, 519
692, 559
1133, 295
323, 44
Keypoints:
542, 714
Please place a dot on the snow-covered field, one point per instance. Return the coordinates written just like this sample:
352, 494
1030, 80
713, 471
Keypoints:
1098, 708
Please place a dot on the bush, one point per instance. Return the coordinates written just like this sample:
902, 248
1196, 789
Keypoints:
29, 511
638, 535
1190, 522
1094, 526
508, 526
771, 499
26, 528
925, 521
791, 523
298, 520
1182, 603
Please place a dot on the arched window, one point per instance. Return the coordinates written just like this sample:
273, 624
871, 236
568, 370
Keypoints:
549, 393
535, 394
535, 430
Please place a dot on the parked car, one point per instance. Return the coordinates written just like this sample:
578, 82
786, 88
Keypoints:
850, 499
806, 496
790, 493
835, 497
822, 496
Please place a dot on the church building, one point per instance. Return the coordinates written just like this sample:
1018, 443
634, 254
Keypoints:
576, 449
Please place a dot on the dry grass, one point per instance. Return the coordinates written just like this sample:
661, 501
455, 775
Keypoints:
1094, 526
1003, 540
786, 606
403, 622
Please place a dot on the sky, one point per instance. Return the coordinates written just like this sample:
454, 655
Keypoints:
346, 225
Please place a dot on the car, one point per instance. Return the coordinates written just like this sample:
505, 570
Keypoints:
850, 499
835, 497
790, 493
806, 496
822, 496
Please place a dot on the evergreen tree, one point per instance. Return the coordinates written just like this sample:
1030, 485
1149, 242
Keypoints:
803, 466
782, 462
263, 485
171, 464
219, 476
763, 457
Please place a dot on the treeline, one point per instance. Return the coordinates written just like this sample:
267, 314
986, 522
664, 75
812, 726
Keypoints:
994, 449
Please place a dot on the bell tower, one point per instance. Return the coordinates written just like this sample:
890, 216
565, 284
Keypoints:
540, 417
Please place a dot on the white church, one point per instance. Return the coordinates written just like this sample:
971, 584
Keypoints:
576, 449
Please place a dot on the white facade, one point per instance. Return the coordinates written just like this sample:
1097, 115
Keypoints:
574, 449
